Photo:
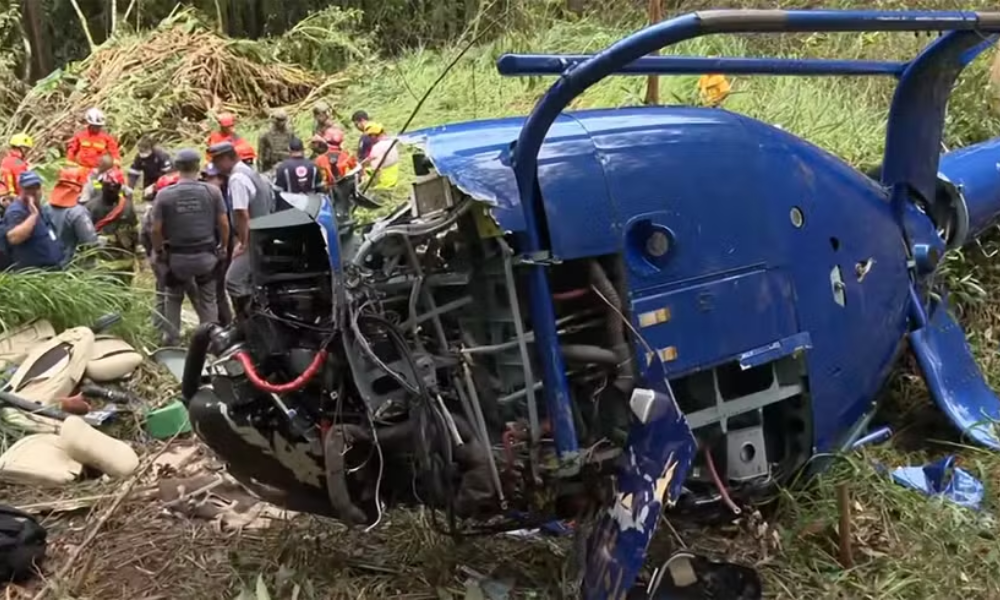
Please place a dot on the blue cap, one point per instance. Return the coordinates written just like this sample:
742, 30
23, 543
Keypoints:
29, 179
187, 155
221, 148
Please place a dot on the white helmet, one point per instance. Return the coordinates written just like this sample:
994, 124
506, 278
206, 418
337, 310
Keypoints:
95, 117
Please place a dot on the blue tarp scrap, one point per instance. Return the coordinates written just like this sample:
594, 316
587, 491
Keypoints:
943, 478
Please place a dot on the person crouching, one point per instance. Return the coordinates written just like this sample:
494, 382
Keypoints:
190, 233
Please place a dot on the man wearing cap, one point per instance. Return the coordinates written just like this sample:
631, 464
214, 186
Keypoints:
250, 197
151, 162
189, 234
297, 174
361, 122
211, 175
29, 239
272, 147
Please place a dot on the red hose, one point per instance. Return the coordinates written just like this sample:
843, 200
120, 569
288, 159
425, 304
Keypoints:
719, 483
280, 388
570, 294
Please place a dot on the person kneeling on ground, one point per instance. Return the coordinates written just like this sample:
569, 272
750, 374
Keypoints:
190, 233
31, 241
117, 226
251, 197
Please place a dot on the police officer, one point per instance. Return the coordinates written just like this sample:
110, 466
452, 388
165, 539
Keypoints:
189, 234
272, 147
250, 196
297, 174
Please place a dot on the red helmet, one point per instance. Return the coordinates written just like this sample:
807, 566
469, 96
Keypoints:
227, 119
333, 136
112, 176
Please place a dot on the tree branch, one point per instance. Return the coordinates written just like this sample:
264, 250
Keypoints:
83, 23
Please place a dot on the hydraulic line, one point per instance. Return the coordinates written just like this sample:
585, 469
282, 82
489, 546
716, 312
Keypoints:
280, 388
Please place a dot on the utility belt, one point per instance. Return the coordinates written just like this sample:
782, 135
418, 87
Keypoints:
207, 248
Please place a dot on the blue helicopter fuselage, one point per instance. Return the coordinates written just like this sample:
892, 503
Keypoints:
774, 244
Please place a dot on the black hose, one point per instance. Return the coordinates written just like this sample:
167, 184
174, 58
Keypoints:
194, 362
616, 328
585, 353
32, 407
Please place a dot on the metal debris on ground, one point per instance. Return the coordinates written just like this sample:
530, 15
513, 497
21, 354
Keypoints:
943, 479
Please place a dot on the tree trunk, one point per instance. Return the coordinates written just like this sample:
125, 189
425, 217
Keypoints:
41, 51
653, 82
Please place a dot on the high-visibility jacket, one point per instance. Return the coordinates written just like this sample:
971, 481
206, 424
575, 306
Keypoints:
86, 148
11, 168
333, 164
713, 89
167, 180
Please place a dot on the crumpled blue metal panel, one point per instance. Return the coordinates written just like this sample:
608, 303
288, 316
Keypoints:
976, 172
650, 478
954, 379
943, 478
475, 156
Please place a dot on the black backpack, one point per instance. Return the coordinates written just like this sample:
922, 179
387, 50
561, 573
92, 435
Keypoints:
22, 545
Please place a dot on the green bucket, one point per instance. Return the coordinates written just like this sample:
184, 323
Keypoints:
168, 421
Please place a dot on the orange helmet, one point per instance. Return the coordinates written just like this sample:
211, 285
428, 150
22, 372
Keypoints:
227, 119
333, 136
245, 150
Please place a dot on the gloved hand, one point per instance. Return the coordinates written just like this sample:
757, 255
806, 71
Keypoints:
148, 192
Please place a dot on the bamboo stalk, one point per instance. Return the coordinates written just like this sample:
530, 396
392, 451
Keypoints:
114, 17
846, 547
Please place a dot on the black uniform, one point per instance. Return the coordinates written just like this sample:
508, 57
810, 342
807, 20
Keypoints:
298, 175
150, 168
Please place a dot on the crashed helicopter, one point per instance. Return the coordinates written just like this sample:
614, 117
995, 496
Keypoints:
607, 312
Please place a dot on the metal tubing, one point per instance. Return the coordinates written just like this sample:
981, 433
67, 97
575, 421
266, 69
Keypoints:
576, 80
566, 442
973, 170
557, 64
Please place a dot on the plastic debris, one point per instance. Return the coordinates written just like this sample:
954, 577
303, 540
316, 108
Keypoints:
942, 478
876, 436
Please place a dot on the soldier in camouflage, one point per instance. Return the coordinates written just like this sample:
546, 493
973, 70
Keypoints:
272, 148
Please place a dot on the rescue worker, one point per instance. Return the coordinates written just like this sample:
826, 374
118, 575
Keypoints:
250, 197
272, 147
213, 177
190, 232
383, 160
29, 239
70, 220
297, 174
92, 180
334, 162
88, 146
713, 89
225, 133
151, 162
16, 161
117, 226
321, 118
361, 121
245, 152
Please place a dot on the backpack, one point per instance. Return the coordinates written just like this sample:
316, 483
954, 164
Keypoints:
22, 545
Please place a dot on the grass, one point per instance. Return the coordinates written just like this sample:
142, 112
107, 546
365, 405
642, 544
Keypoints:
906, 546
